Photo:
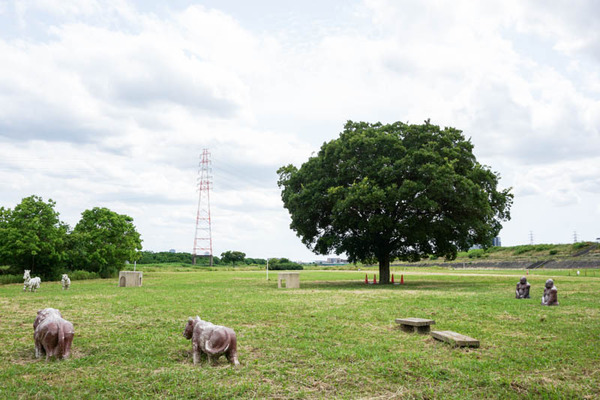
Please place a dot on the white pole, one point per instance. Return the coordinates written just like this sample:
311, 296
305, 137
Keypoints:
134, 264
267, 269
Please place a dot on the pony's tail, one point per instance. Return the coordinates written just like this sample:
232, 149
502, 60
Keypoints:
61, 340
224, 346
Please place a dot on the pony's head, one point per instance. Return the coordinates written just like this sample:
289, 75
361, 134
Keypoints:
26, 275
188, 332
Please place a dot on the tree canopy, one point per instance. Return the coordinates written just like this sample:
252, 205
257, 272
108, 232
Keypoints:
232, 257
32, 236
397, 191
104, 240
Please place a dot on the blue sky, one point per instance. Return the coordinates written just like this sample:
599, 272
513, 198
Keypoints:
110, 103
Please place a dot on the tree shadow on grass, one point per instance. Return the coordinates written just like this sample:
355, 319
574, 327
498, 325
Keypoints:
414, 285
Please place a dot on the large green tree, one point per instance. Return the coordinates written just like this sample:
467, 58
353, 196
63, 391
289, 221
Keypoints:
102, 241
32, 237
232, 257
397, 191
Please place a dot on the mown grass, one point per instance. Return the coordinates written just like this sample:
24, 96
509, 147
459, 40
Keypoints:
335, 337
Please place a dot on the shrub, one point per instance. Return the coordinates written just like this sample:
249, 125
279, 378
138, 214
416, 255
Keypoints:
522, 249
279, 264
285, 266
553, 252
80, 275
6, 279
580, 245
476, 253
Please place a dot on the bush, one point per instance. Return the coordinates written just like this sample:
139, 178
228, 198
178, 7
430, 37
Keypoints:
6, 279
476, 253
522, 249
553, 252
279, 264
80, 275
285, 266
580, 245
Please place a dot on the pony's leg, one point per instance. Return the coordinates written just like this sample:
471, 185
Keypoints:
195, 353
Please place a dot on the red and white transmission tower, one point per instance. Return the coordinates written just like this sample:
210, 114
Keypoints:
203, 236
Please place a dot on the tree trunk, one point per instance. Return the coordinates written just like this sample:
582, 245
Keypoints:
384, 269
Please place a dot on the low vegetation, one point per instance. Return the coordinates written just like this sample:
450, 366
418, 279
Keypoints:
335, 337
531, 252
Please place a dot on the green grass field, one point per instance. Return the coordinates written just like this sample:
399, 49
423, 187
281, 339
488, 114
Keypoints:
335, 337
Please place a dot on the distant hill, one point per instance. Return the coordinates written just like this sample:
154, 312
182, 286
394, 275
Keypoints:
577, 255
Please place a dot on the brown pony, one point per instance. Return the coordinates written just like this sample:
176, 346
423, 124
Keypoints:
52, 334
212, 340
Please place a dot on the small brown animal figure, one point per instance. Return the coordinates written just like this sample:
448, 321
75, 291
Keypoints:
522, 291
550, 297
212, 340
53, 335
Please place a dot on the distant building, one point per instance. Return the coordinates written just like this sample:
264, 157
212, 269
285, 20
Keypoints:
172, 251
495, 242
332, 261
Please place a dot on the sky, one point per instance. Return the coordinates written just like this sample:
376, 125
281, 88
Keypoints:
111, 103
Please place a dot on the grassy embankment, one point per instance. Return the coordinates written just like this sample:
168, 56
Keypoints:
335, 337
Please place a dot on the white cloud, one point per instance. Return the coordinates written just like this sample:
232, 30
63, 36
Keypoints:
104, 104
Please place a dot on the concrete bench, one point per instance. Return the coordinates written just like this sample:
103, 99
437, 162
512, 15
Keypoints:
418, 325
455, 339
292, 280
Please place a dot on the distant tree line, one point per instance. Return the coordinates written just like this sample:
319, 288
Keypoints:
228, 258
33, 237
166, 257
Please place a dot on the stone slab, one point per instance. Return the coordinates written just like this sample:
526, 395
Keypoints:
419, 325
455, 338
415, 321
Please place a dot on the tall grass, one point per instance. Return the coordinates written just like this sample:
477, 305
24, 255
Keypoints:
335, 337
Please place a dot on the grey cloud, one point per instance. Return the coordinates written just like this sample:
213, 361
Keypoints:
137, 198
37, 124
503, 127
232, 176
164, 87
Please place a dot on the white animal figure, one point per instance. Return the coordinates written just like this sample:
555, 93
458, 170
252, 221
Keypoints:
32, 284
66, 282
